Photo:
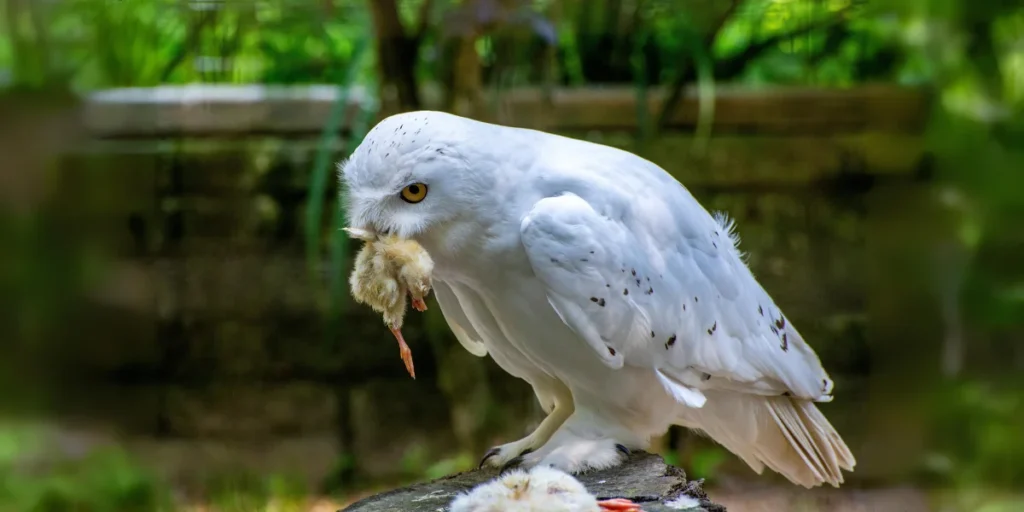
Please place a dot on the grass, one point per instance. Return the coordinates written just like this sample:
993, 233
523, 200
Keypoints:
36, 477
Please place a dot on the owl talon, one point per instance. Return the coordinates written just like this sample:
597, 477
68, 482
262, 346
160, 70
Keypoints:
490, 453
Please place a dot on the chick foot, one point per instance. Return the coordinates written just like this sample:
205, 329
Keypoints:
405, 352
419, 304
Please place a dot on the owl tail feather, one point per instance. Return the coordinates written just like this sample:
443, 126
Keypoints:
790, 436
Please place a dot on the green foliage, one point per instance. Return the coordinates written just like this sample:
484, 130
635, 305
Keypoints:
977, 433
91, 44
321, 174
105, 480
34, 477
104, 43
342, 474
969, 54
705, 462
975, 137
247, 491
419, 463
448, 466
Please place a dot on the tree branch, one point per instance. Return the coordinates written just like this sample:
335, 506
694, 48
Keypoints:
731, 67
195, 30
833, 40
688, 73
424, 21
396, 53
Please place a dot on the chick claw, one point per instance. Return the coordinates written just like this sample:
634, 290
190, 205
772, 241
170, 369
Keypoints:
619, 505
406, 354
419, 304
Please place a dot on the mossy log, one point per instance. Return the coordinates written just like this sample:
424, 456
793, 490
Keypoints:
644, 478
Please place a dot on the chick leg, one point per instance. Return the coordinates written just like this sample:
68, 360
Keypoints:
406, 354
619, 505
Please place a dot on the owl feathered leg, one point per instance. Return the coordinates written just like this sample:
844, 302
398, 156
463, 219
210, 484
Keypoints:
511, 453
589, 440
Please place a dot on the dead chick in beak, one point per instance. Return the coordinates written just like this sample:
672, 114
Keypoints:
387, 269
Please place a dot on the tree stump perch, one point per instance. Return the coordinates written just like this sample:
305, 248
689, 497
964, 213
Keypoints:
644, 478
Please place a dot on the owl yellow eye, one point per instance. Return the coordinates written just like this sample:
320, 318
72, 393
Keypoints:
414, 193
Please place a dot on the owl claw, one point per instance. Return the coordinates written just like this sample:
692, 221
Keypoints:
512, 464
490, 453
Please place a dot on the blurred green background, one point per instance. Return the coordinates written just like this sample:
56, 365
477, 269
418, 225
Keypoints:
176, 332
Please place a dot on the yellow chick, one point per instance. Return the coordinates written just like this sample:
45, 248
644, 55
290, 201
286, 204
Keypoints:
387, 269
542, 489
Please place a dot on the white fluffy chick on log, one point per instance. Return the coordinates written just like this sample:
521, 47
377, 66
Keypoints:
387, 269
542, 489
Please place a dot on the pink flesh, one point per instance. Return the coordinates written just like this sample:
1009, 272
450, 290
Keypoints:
619, 505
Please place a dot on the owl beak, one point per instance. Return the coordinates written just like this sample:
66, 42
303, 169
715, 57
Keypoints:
361, 234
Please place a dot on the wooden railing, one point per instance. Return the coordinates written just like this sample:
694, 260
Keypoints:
254, 109
776, 135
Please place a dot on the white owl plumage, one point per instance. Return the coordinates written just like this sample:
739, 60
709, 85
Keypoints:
596, 277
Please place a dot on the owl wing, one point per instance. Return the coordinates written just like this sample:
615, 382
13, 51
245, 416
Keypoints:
669, 291
457, 320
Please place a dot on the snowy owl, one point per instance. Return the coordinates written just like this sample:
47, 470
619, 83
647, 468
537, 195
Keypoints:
597, 278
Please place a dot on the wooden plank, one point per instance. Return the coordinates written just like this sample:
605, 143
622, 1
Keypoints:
231, 110
301, 144
737, 108
213, 109
771, 161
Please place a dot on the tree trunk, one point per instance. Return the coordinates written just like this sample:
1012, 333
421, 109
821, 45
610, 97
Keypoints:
396, 56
